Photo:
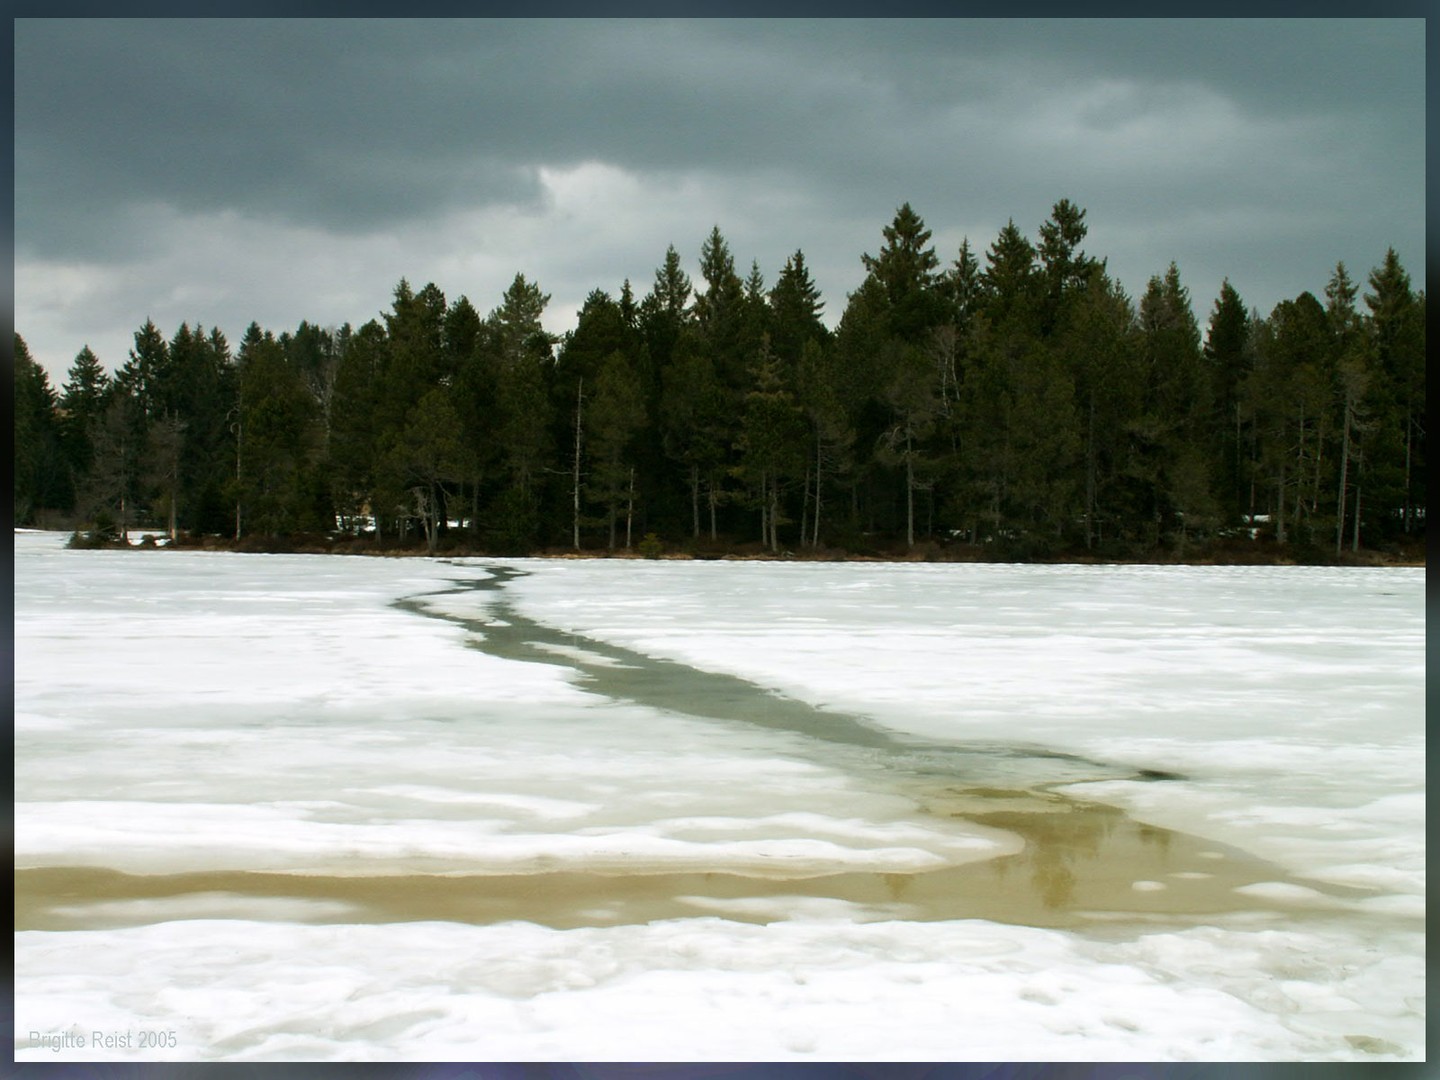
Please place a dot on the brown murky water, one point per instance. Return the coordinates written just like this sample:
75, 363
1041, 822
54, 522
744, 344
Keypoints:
1081, 863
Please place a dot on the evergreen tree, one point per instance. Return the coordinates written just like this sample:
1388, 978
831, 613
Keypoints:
279, 419
695, 418
315, 355
665, 319
1011, 284
523, 433
109, 489
1290, 398
796, 312
414, 357
195, 410
963, 288
912, 396
1397, 325
144, 374
861, 340
1065, 268
81, 407
40, 472
662, 314
164, 451
1228, 352
906, 269
354, 416
517, 335
771, 444
1172, 428
617, 413
720, 309
425, 456
756, 318
471, 363
1017, 439
523, 360
832, 438
1099, 342
1021, 458
601, 330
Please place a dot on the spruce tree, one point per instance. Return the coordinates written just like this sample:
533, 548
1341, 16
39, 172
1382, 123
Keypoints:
771, 444
40, 471
81, 406
1177, 411
617, 412
1397, 332
906, 268
796, 310
1228, 353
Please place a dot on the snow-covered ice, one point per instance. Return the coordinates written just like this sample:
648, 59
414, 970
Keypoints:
278, 718
1291, 698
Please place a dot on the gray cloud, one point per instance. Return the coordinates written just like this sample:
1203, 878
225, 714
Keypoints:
1260, 150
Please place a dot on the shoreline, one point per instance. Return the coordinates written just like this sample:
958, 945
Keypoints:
1212, 553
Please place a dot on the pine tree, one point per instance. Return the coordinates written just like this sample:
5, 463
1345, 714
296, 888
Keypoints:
617, 412
1290, 397
523, 415
771, 444
1227, 351
1177, 410
1010, 281
471, 364
163, 454
695, 423
40, 472
718, 309
1397, 324
144, 374
963, 288
80, 409
280, 422
832, 438
354, 410
1099, 343
414, 356
796, 310
906, 269
1065, 268
912, 396
425, 456
109, 490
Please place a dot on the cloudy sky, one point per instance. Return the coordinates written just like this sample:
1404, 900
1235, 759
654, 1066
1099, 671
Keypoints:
228, 171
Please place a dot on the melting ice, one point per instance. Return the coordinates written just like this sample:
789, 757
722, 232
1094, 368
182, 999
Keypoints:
262, 804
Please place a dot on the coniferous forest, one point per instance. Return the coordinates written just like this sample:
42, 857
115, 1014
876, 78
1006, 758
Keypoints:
1013, 403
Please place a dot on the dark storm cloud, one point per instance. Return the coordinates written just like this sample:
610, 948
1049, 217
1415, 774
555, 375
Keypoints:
1260, 150
355, 125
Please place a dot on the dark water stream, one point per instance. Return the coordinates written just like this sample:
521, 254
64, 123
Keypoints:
621, 674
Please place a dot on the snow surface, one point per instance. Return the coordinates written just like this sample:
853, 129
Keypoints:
1291, 698
180, 711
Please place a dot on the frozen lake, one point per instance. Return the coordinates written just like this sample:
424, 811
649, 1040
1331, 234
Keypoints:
327, 808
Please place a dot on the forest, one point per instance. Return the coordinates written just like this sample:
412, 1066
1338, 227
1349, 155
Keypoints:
1011, 404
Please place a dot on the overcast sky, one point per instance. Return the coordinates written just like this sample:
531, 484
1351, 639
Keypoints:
227, 171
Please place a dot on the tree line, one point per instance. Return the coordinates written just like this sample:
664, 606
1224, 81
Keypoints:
1018, 400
